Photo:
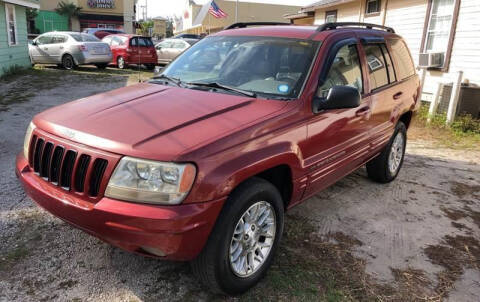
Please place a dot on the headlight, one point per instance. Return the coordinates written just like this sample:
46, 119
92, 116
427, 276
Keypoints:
28, 139
148, 181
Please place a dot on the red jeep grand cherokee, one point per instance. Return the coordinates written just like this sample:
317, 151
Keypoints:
201, 162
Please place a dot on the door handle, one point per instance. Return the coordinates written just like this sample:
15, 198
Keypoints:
61, 47
397, 95
45, 48
363, 111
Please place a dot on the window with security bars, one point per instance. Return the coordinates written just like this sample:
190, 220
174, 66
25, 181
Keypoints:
372, 7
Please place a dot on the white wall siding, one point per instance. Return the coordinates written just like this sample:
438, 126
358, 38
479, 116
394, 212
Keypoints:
466, 48
407, 17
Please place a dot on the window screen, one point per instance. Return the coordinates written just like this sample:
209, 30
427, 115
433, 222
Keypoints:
373, 6
345, 71
405, 66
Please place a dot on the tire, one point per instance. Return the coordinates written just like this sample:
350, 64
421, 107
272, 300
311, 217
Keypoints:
385, 167
214, 266
121, 63
101, 66
150, 66
68, 63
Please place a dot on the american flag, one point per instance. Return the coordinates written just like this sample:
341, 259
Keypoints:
215, 11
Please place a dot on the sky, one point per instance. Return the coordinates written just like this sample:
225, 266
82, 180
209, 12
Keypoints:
166, 8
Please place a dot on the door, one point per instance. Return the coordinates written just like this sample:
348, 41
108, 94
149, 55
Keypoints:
145, 49
134, 54
40, 50
57, 47
384, 92
337, 141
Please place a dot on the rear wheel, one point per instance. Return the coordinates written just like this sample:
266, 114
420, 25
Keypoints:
243, 242
67, 62
385, 167
121, 63
150, 66
101, 66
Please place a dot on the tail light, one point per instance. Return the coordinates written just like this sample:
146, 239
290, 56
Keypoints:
82, 48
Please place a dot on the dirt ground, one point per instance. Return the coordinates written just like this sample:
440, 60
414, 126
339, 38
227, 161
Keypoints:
415, 239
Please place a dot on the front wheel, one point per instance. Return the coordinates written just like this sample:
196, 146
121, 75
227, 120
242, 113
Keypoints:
385, 167
243, 242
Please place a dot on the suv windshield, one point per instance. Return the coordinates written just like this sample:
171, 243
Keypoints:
269, 66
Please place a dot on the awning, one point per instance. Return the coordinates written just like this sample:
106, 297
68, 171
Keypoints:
27, 3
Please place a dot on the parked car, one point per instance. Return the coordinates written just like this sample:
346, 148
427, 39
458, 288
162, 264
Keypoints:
201, 162
132, 49
187, 36
69, 49
169, 49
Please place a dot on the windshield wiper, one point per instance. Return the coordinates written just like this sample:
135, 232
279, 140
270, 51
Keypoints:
173, 80
220, 86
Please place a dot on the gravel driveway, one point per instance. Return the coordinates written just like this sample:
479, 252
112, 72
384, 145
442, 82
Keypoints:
423, 228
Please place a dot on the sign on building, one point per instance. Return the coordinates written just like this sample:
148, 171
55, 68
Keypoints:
101, 3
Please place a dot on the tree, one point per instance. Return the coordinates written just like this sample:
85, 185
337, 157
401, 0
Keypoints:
169, 32
69, 10
32, 13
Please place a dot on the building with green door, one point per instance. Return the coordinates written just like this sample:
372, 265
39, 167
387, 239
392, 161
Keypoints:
13, 33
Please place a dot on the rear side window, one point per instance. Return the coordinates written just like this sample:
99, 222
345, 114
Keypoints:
84, 38
345, 71
405, 67
377, 67
145, 42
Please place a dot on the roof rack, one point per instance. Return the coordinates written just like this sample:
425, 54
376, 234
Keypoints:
328, 26
247, 24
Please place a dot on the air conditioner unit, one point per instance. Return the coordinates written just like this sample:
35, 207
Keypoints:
431, 59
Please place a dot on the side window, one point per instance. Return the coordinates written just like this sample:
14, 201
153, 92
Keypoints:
377, 67
345, 71
179, 45
133, 42
391, 71
107, 40
165, 44
57, 39
42, 40
405, 67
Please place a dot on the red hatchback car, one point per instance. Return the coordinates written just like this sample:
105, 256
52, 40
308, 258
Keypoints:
132, 49
201, 162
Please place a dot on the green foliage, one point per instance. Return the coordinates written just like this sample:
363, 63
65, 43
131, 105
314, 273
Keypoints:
32, 13
463, 125
69, 10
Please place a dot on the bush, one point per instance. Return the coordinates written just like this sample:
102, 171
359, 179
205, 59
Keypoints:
466, 124
462, 124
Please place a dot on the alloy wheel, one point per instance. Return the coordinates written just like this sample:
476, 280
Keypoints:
252, 239
396, 153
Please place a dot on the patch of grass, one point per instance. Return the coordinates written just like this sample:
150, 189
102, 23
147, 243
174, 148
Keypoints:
464, 133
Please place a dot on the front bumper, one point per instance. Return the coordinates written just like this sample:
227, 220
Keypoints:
172, 232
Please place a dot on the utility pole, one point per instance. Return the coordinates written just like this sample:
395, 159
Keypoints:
236, 12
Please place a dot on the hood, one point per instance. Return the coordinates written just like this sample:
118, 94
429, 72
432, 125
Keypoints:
153, 121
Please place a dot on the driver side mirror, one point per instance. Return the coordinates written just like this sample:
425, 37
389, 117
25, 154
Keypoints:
34, 43
158, 47
339, 97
